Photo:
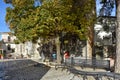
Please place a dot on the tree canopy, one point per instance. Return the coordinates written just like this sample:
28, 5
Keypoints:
31, 19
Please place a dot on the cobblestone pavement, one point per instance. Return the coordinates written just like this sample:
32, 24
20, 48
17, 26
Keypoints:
31, 70
59, 75
25, 69
29, 73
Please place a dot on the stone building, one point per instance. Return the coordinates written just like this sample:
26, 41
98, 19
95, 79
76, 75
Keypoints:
27, 49
7, 42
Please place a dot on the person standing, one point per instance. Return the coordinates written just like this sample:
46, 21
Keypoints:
66, 55
54, 55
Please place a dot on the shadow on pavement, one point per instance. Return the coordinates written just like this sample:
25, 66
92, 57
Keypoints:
23, 70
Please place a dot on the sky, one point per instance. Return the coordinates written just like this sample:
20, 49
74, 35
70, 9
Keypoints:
98, 6
5, 28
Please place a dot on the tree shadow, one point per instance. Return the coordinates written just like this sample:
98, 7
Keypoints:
26, 70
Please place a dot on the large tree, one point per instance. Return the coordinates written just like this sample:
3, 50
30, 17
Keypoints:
31, 19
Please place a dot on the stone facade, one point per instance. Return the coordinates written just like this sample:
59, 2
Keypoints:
27, 49
7, 42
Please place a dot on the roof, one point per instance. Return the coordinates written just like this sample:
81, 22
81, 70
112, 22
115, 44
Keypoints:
5, 32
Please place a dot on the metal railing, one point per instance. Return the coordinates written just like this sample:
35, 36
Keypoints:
92, 63
96, 75
71, 63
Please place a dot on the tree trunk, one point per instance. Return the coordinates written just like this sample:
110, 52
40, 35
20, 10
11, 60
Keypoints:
57, 42
117, 61
90, 40
89, 49
90, 43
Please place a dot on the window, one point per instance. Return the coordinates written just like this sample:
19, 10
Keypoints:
9, 38
9, 47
